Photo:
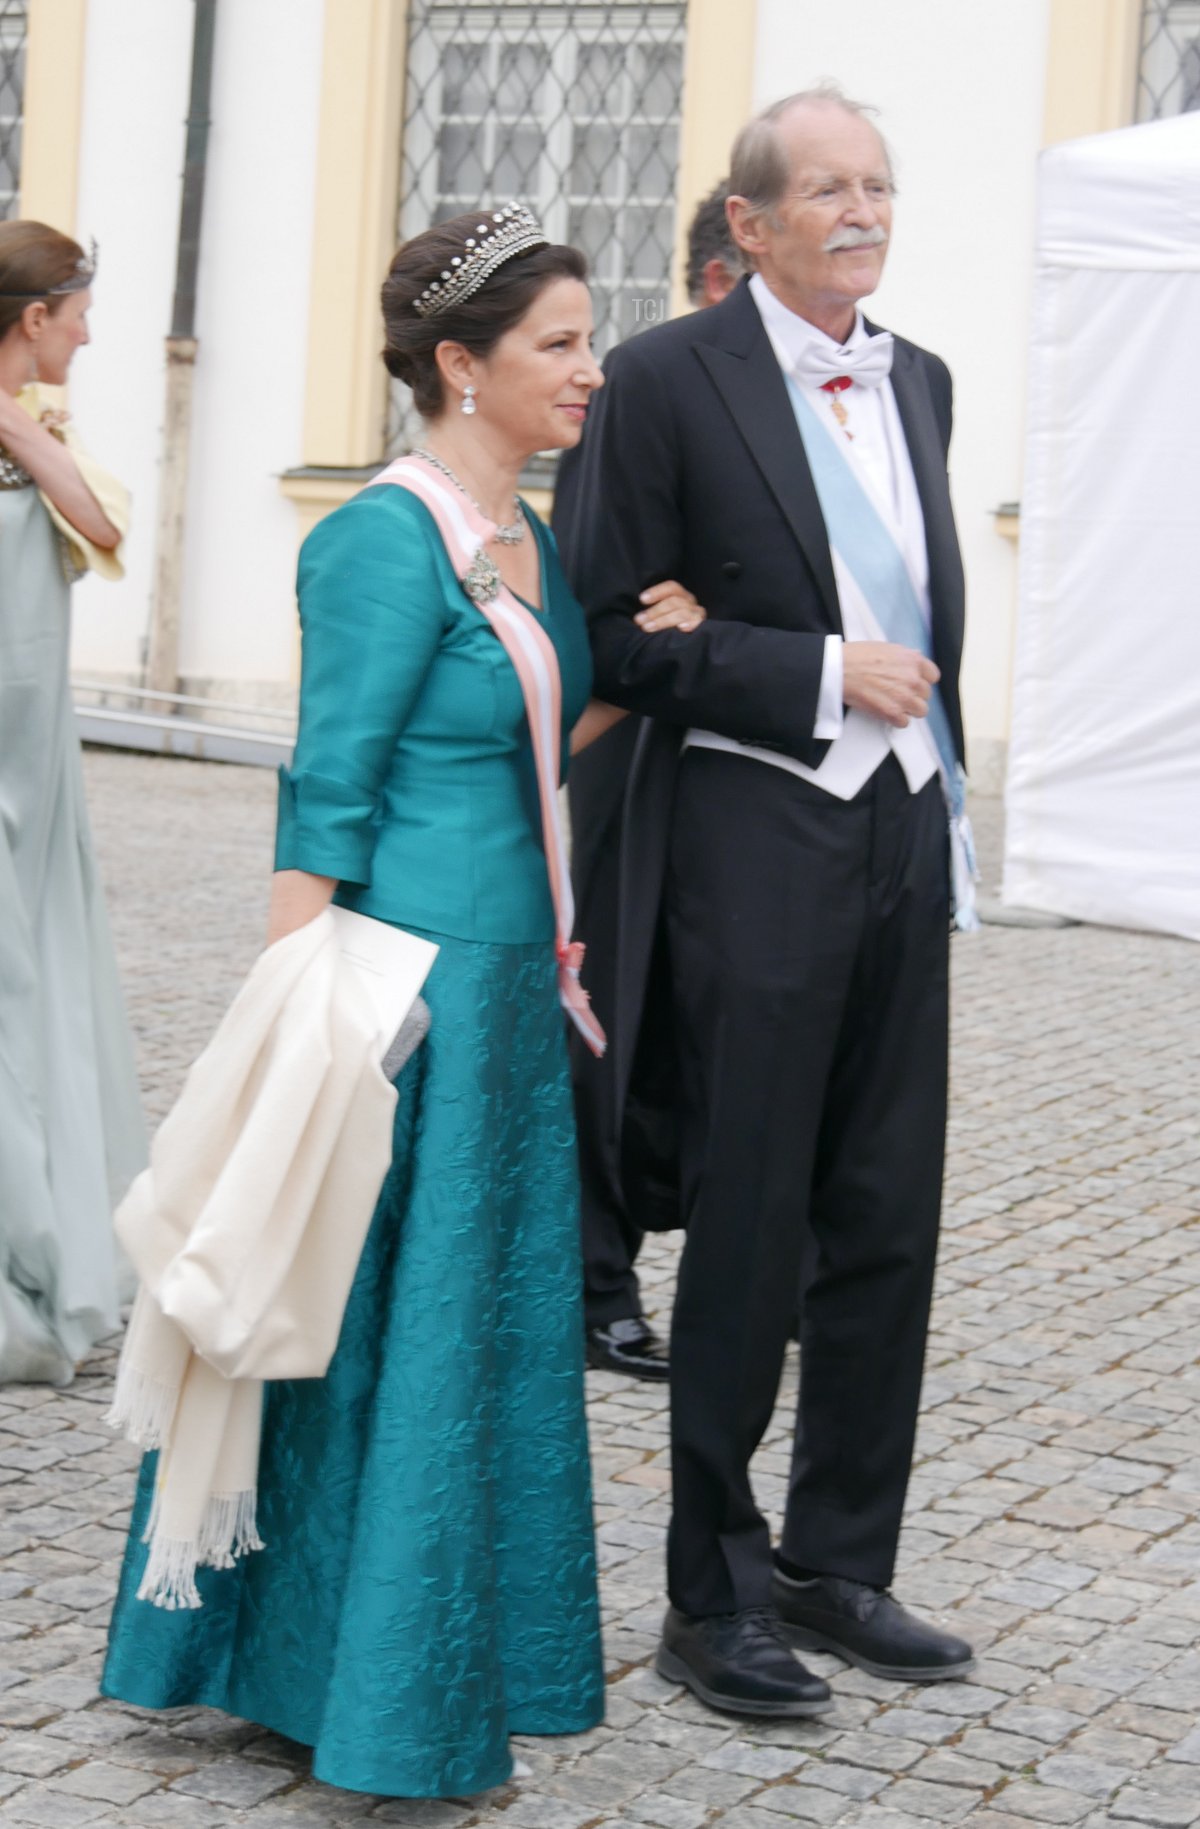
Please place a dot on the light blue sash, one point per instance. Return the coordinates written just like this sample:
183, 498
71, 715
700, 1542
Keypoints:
866, 548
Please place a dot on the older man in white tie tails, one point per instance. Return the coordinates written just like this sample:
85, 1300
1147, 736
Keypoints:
796, 842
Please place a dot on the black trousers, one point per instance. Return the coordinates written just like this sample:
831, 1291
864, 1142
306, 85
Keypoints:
809, 947
611, 1240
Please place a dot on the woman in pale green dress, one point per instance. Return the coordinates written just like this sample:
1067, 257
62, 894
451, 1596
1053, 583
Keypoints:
71, 1133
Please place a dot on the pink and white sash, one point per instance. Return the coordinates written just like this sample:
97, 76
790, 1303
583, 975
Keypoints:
465, 532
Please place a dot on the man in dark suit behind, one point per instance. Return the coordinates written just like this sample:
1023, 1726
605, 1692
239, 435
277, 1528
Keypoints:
786, 832
619, 1338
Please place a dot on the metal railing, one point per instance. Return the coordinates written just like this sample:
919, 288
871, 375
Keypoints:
1169, 59
120, 716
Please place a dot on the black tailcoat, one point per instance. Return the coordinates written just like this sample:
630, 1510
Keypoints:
780, 1063
692, 467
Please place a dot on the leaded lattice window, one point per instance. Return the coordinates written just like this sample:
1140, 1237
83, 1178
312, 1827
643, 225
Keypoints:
573, 109
1169, 64
13, 32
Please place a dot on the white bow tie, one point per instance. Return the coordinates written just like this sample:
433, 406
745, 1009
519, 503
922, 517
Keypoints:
869, 363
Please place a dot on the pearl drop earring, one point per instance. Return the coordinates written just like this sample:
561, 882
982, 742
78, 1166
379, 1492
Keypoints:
468, 401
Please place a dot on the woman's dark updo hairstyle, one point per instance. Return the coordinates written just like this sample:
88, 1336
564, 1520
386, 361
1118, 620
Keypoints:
34, 258
478, 323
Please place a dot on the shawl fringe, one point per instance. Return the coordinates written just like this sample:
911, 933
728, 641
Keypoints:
228, 1531
143, 1407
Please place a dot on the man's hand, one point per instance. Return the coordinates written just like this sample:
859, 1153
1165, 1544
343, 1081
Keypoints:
891, 682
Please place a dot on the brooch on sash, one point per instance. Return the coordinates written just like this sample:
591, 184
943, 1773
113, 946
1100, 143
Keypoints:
481, 580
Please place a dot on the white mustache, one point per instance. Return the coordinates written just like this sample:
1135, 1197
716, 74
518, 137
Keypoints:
855, 238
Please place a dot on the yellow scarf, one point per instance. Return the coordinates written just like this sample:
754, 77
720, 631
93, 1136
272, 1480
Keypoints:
38, 400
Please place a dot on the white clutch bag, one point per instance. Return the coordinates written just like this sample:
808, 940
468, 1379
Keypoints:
391, 966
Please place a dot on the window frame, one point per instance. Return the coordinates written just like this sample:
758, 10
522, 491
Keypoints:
1163, 59
563, 29
14, 25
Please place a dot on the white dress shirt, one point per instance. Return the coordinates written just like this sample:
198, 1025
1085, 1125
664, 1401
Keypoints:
878, 454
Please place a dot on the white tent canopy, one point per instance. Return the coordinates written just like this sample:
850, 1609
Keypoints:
1104, 762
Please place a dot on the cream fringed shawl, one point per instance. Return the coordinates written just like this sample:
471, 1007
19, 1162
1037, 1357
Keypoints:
246, 1231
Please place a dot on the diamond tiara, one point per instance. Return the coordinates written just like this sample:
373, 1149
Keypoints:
82, 275
511, 230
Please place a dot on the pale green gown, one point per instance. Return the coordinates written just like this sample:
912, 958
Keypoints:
71, 1130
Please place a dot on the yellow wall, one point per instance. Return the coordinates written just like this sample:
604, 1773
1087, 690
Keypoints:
1091, 67
718, 86
53, 112
358, 180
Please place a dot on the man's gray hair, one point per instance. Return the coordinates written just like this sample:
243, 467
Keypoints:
759, 169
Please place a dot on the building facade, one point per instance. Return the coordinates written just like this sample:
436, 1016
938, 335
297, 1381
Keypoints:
341, 126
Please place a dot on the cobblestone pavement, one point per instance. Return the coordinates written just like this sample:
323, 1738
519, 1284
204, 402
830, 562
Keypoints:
1055, 1507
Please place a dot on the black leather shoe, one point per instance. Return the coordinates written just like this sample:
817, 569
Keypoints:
867, 1627
628, 1346
739, 1663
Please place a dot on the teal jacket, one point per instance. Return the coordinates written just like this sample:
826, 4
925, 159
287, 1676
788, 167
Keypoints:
413, 778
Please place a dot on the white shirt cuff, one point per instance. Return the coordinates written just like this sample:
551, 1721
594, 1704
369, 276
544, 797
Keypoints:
830, 710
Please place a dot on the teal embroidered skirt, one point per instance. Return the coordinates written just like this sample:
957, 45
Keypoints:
428, 1585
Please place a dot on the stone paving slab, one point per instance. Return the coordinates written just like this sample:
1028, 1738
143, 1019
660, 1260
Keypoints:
1054, 1513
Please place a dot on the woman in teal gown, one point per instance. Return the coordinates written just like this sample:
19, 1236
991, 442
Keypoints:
428, 1586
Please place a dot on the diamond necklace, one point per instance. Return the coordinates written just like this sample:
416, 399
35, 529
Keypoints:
510, 533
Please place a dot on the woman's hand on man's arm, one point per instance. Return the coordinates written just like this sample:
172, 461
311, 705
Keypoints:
669, 606
665, 606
